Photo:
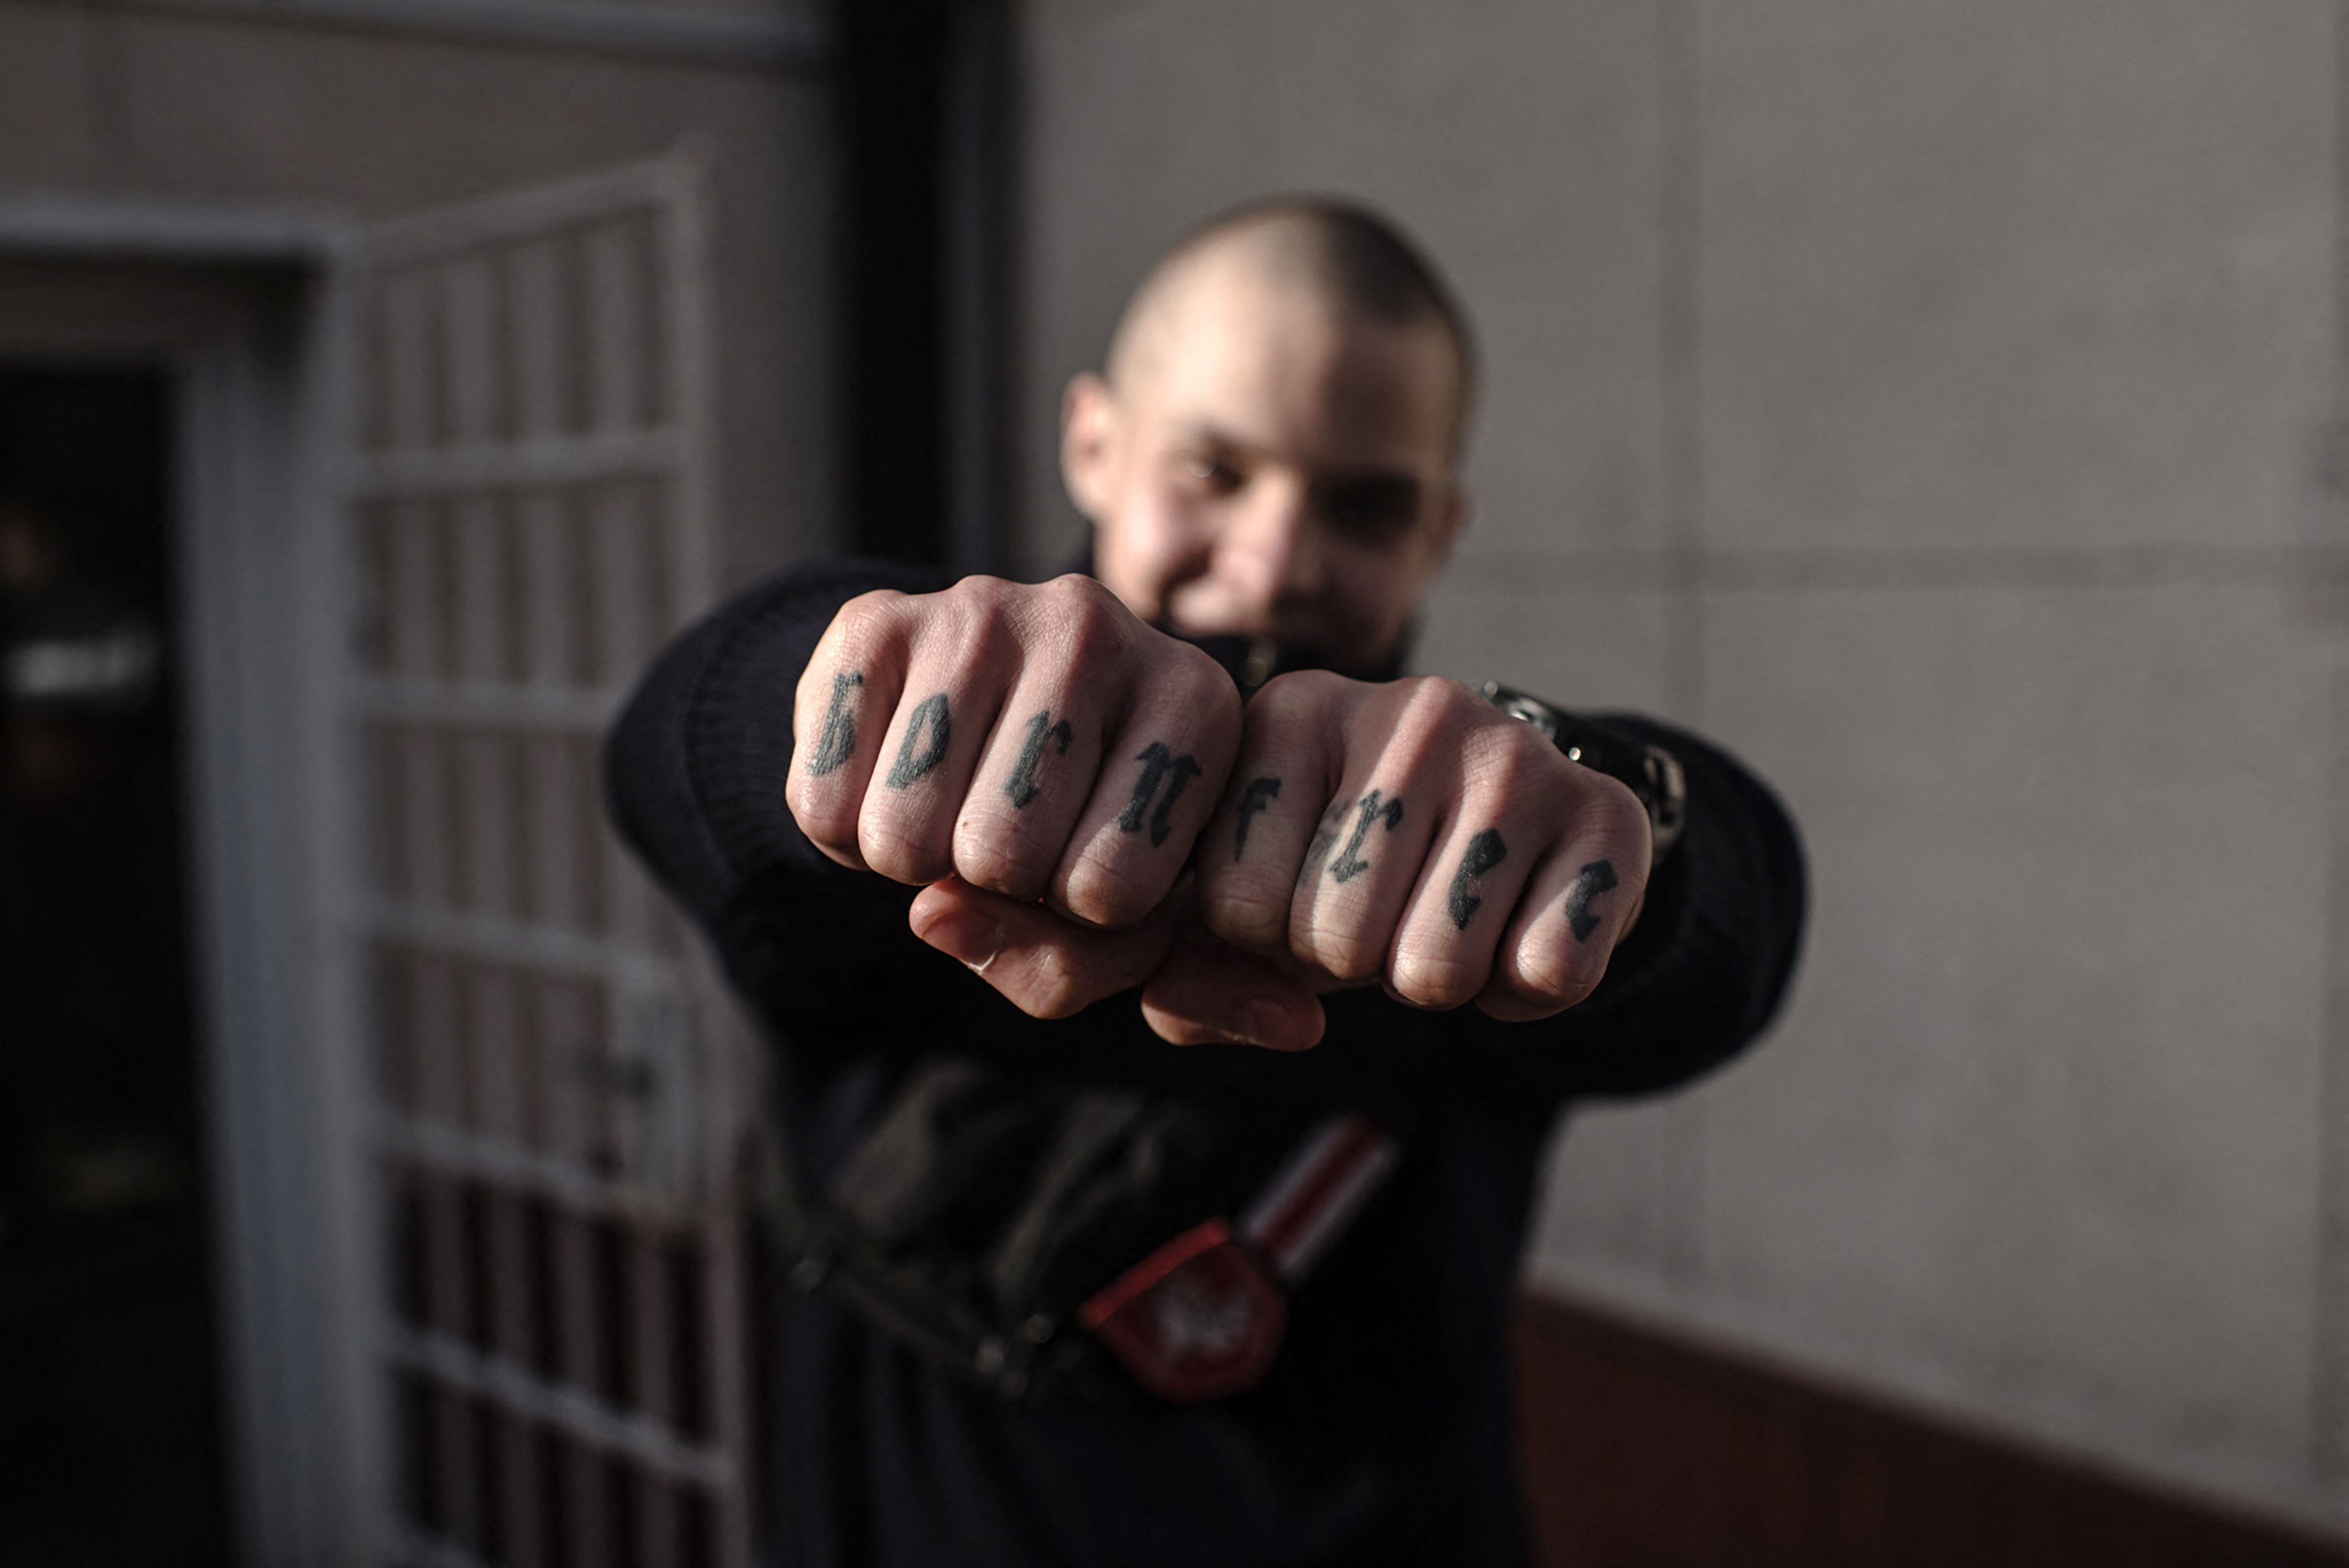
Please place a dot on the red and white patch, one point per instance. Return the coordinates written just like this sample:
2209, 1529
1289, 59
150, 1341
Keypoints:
1198, 1320
1201, 1317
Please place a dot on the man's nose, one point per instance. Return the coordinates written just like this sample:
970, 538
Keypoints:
1273, 552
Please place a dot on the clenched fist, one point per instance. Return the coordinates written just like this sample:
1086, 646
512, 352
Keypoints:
1407, 832
1049, 766
1036, 742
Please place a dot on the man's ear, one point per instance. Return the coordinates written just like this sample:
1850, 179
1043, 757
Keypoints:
1089, 443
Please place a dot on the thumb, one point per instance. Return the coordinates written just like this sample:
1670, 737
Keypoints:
1046, 964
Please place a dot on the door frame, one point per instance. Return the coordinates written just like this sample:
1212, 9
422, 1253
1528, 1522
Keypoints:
239, 306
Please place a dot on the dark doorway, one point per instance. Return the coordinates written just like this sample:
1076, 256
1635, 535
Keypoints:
109, 1394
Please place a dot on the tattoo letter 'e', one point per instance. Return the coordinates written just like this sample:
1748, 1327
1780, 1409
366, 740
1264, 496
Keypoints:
1485, 851
1593, 880
839, 739
929, 718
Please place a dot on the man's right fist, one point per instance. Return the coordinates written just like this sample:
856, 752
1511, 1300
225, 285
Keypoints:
1038, 742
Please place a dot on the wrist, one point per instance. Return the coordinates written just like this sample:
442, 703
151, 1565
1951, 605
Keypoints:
1651, 773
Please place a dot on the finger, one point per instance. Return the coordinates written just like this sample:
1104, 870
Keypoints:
1401, 785
1351, 892
1160, 776
1277, 813
1214, 993
1046, 964
1512, 782
844, 701
953, 687
1577, 905
1046, 752
1442, 954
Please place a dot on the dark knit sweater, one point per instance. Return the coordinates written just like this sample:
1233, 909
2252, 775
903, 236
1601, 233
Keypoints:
1383, 1433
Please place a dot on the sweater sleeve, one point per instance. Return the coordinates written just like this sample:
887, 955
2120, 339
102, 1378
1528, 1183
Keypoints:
1700, 976
694, 770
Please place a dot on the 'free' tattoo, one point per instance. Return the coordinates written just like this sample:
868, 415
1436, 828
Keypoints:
839, 740
1259, 794
1485, 851
930, 719
1594, 878
1370, 809
1021, 785
1158, 766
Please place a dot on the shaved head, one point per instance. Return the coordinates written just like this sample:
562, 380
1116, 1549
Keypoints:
1272, 450
1345, 258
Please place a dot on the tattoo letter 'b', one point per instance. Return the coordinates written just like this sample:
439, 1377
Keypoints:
839, 739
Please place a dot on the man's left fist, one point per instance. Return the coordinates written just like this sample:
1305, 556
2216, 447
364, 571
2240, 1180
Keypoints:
1409, 833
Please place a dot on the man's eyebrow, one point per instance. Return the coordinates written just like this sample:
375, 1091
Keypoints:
1203, 433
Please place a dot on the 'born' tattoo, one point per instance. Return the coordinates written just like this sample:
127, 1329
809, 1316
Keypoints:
1260, 793
1485, 851
1021, 785
1158, 766
839, 739
1594, 878
1370, 809
930, 719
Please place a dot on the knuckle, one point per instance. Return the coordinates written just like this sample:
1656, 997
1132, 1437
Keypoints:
1052, 990
1297, 693
1246, 910
1613, 823
1207, 694
899, 851
1510, 751
1098, 889
1436, 980
1556, 977
870, 620
1437, 701
1343, 948
1001, 857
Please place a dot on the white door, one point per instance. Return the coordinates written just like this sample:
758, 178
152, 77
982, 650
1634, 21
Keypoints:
558, 1108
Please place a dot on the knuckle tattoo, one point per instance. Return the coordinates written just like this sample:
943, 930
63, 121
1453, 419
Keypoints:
1371, 809
915, 757
1485, 851
838, 742
1160, 765
1594, 880
1042, 730
1259, 796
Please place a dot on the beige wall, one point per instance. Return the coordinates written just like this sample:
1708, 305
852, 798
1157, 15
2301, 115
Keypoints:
97, 100
1930, 400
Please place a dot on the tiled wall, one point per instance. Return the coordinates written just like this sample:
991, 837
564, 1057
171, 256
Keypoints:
1933, 401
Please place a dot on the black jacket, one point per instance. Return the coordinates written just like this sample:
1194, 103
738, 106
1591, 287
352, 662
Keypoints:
1383, 1433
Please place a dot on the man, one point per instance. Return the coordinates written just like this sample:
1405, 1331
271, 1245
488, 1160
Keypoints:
1088, 1278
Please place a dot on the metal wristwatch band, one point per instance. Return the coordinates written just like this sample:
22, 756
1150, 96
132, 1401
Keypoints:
1650, 772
